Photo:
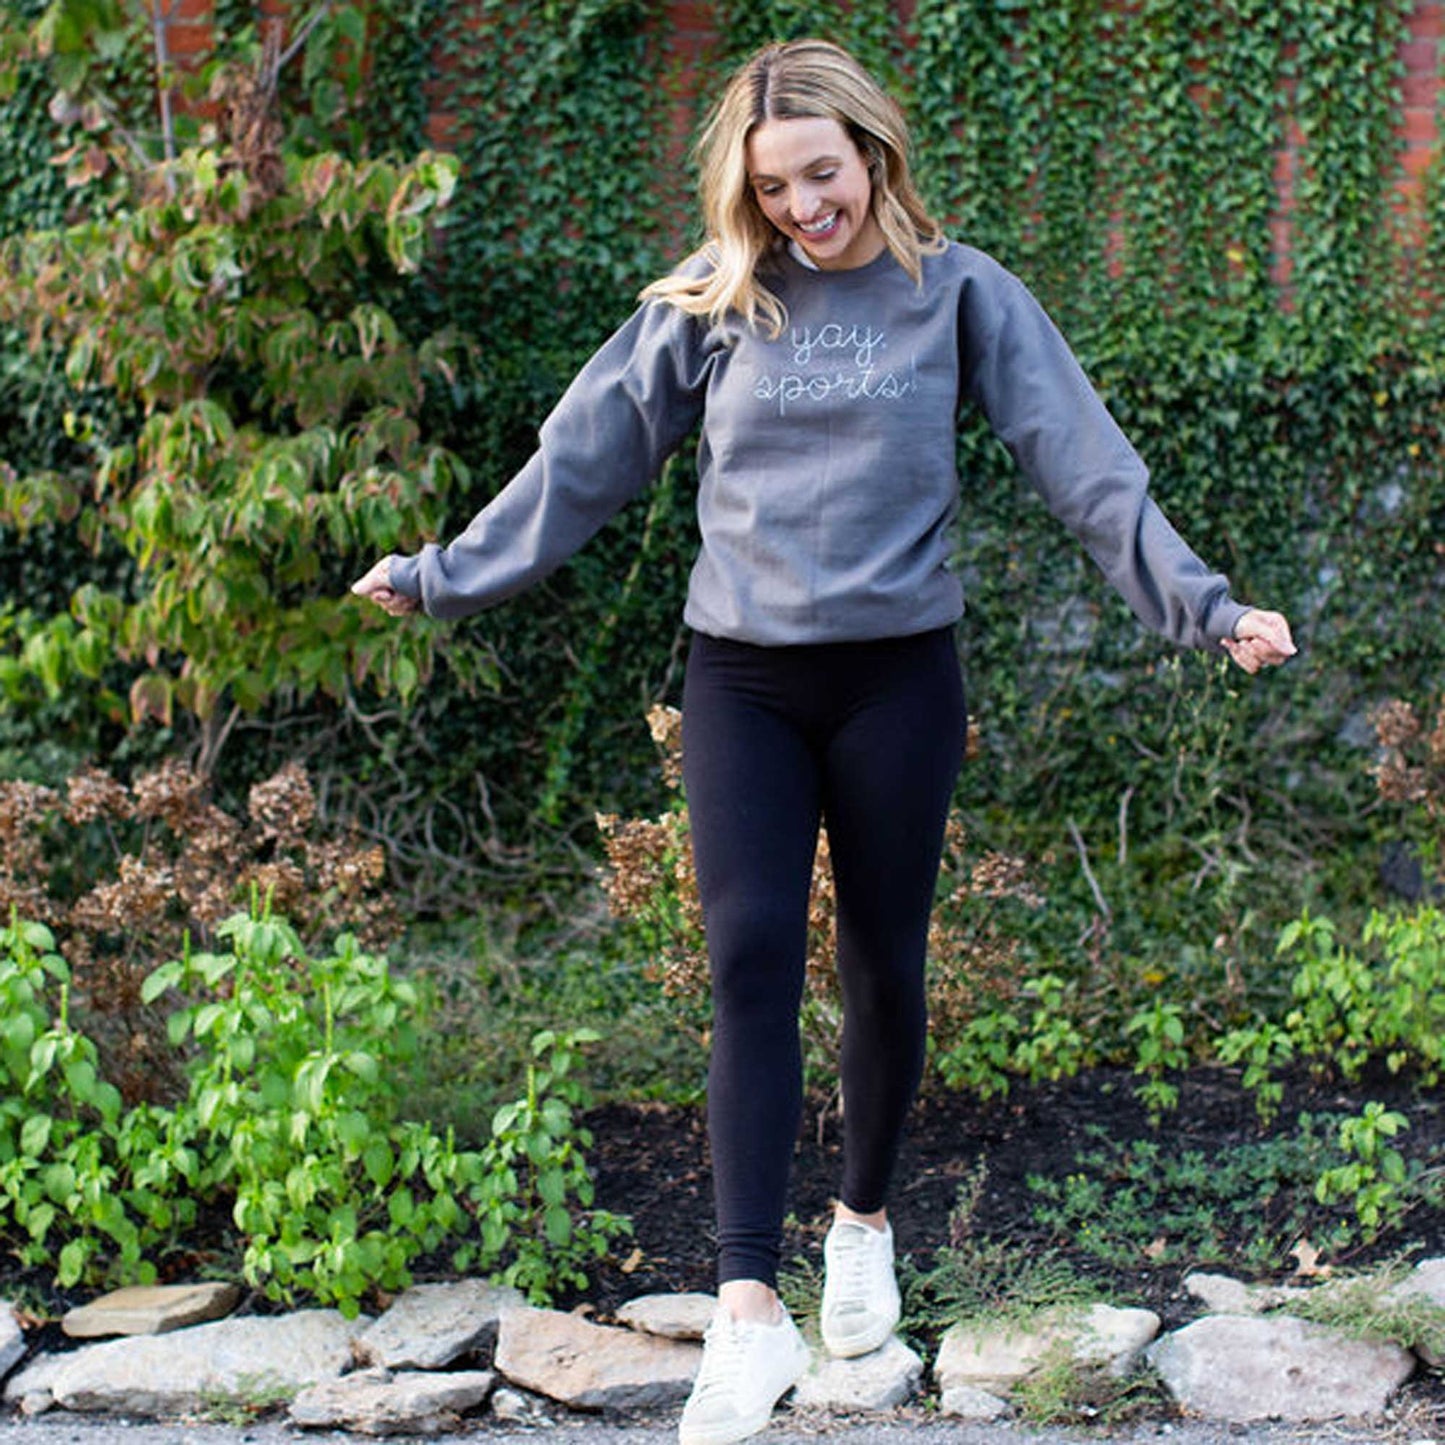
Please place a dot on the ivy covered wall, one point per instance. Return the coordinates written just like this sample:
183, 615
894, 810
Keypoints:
1234, 211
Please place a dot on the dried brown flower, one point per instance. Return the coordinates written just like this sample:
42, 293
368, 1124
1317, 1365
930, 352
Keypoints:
174, 793
1396, 723
136, 902
1002, 875
665, 725
22, 806
280, 883
284, 806
91, 794
348, 867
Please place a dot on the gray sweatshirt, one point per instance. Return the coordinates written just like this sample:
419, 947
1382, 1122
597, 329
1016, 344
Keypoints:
827, 482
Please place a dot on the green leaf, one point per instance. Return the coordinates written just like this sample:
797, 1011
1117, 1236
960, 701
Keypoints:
557, 1225
35, 1135
167, 976
71, 1265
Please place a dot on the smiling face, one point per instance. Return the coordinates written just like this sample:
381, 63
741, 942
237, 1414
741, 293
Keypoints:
811, 182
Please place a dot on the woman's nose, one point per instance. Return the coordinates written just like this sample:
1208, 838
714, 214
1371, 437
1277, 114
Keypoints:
805, 203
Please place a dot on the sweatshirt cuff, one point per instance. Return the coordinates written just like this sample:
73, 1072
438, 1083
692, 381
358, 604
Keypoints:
404, 572
1222, 620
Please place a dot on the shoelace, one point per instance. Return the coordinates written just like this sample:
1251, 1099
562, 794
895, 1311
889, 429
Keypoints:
727, 1340
853, 1257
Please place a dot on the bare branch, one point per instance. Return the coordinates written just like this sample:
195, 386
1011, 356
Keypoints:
1100, 901
213, 739
160, 28
1124, 826
303, 34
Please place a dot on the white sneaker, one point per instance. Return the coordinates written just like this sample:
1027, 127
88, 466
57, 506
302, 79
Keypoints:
747, 1367
860, 1295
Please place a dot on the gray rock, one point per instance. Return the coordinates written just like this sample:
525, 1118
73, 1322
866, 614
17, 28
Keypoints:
1114, 1338
1241, 1368
249, 1360
30, 1389
151, 1309
430, 1325
1426, 1281
1221, 1295
967, 1403
12, 1339
877, 1381
996, 1357
593, 1367
673, 1316
377, 1402
516, 1407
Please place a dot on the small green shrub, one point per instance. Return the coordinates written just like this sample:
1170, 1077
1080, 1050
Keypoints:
1385, 1002
294, 1117
1158, 1034
539, 1195
63, 1195
1375, 1179
1262, 1048
1063, 1390
1141, 1203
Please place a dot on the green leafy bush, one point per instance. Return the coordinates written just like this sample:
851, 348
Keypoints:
1383, 1002
294, 1118
63, 1198
124, 875
1375, 1178
226, 309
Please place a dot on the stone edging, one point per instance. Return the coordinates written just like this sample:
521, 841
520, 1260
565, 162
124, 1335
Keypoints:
444, 1351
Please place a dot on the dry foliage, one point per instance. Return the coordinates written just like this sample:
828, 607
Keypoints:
1411, 765
125, 876
973, 959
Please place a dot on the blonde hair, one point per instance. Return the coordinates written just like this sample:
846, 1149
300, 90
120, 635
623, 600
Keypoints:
793, 80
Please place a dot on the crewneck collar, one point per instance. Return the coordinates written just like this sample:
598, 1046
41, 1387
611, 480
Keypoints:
804, 264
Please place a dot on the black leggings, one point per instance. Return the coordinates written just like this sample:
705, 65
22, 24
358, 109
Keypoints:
867, 737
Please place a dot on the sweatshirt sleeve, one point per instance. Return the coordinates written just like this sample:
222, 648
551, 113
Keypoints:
628, 409
1018, 369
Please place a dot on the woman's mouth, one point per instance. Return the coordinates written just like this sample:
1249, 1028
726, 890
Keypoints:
822, 228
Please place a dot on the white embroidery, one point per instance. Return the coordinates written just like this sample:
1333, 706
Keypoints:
862, 341
860, 381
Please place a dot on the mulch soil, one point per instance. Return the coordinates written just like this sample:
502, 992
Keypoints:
650, 1162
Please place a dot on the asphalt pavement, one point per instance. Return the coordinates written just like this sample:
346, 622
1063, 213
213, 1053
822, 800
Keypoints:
1410, 1425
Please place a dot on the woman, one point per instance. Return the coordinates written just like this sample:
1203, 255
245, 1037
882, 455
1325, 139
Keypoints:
825, 337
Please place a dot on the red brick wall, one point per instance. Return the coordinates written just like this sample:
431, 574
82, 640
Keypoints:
687, 30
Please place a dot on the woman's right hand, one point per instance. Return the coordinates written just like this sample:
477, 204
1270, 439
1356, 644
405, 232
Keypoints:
376, 587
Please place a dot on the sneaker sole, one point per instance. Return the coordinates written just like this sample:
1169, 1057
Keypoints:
849, 1347
741, 1429
725, 1434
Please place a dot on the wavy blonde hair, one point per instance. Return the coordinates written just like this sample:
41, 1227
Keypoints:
789, 81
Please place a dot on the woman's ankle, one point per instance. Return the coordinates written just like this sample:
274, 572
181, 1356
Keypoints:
878, 1219
751, 1300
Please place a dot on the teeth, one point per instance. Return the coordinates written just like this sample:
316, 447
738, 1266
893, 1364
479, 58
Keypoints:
816, 226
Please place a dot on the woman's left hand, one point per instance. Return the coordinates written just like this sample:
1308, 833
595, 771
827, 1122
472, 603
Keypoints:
1261, 639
